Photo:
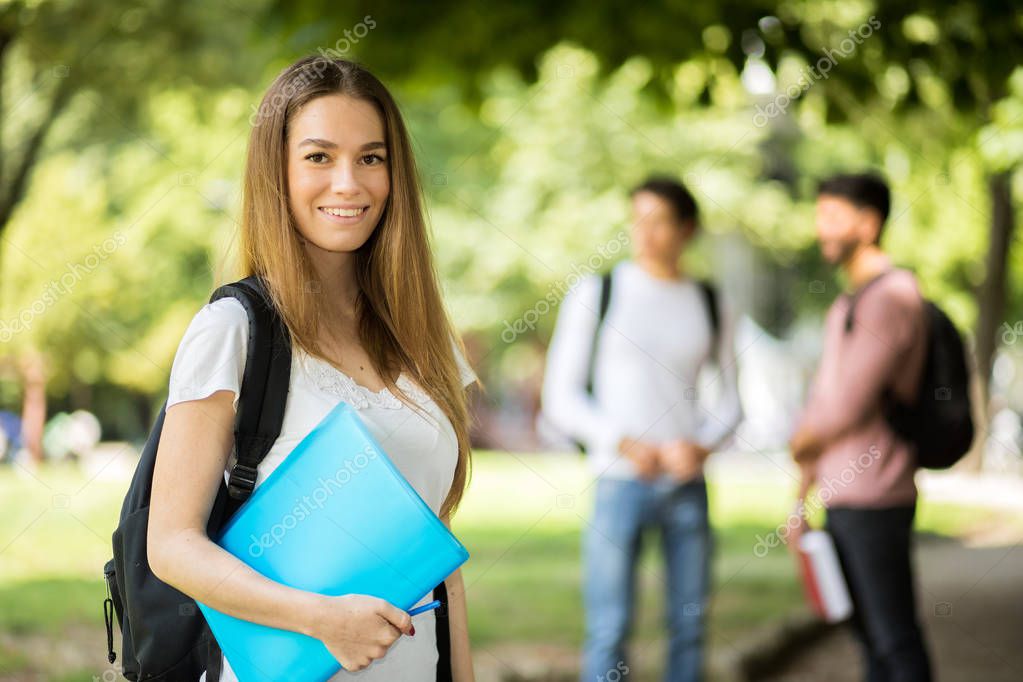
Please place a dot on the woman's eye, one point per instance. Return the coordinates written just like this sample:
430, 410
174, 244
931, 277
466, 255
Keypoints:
372, 159
316, 157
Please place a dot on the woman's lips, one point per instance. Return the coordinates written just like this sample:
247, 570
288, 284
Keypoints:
343, 215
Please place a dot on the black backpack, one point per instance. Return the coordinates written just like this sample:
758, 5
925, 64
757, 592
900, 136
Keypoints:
165, 637
710, 299
939, 423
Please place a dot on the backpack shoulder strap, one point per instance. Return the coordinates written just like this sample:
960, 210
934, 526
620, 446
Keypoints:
605, 301
710, 298
855, 298
265, 382
444, 674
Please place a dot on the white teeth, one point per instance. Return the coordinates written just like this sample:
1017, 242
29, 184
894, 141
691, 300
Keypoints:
344, 212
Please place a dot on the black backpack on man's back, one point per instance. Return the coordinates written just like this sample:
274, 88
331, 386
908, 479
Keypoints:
939, 423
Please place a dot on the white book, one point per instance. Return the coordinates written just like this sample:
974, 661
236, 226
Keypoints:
823, 579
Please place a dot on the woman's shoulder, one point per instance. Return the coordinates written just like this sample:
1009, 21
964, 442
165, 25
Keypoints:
211, 355
225, 312
218, 323
225, 319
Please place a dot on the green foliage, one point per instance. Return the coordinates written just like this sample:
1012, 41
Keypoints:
546, 198
128, 253
969, 49
527, 149
114, 56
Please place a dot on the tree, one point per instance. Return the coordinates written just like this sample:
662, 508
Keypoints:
907, 57
88, 70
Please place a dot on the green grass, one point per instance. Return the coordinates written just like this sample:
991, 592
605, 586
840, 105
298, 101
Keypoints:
521, 521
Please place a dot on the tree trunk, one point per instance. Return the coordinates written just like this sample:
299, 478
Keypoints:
992, 301
33, 412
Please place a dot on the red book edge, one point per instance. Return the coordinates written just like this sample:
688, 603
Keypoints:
810, 587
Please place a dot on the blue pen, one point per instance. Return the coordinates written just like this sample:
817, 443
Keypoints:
424, 608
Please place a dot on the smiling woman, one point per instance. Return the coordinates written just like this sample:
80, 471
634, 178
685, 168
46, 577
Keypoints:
333, 226
337, 182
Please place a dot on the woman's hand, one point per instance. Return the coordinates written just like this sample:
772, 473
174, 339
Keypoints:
358, 629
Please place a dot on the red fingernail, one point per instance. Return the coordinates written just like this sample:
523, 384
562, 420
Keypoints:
412, 632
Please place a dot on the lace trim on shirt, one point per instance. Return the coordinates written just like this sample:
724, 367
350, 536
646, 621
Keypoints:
329, 378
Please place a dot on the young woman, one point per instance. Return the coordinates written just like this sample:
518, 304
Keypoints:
333, 222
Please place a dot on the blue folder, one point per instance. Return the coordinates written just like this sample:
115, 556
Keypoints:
336, 517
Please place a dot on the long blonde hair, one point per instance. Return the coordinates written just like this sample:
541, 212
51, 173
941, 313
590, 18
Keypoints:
402, 322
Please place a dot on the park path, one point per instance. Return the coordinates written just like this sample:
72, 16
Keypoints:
970, 600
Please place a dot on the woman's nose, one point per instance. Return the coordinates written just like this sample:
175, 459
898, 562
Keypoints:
343, 180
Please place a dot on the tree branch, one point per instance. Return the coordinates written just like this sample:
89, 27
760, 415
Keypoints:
13, 191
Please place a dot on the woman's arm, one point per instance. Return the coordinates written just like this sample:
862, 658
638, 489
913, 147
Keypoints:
194, 447
458, 627
195, 444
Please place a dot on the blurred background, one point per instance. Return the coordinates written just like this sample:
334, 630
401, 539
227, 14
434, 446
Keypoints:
123, 128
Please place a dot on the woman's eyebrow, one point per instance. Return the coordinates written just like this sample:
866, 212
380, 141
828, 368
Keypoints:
327, 144
317, 142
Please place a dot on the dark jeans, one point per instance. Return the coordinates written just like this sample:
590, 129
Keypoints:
874, 550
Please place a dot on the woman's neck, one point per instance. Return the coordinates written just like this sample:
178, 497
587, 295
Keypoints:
337, 282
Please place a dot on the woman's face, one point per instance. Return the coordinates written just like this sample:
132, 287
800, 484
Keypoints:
338, 179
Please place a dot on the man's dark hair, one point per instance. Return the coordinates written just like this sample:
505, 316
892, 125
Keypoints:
676, 194
863, 190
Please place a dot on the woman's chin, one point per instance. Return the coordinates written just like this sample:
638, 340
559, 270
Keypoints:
344, 243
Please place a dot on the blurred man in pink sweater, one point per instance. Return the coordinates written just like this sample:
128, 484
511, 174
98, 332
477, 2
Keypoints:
874, 347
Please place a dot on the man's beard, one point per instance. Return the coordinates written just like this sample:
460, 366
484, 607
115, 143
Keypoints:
846, 250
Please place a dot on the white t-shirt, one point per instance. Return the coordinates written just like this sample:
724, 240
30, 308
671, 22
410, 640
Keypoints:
211, 358
656, 338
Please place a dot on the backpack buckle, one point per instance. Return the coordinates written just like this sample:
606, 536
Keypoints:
242, 481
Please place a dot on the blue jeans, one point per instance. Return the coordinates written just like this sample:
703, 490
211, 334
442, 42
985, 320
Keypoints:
611, 548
